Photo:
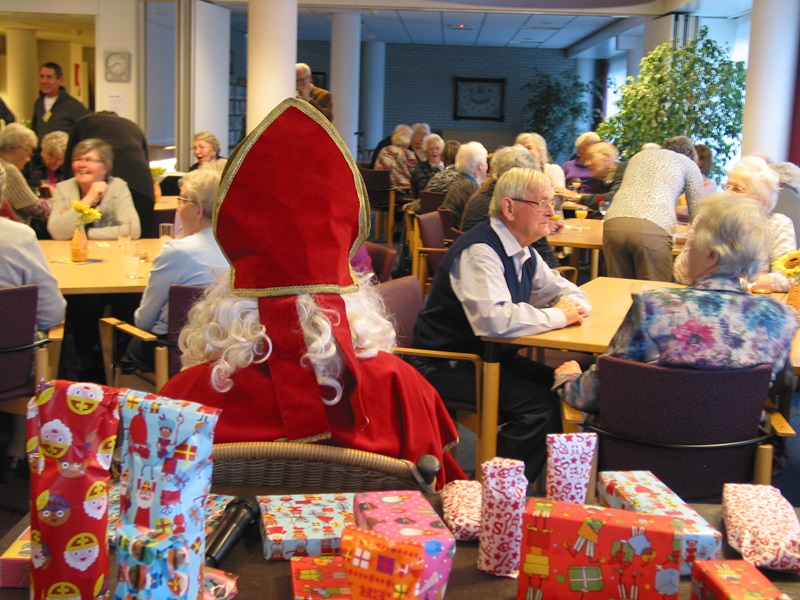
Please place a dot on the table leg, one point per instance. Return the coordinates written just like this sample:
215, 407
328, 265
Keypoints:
490, 402
595, 264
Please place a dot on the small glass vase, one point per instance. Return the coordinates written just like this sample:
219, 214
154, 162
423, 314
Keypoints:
79, 248
793, 299
157, 191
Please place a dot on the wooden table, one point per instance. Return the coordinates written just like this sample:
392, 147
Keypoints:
103, 277
166, 203
259, 578
592, 239
610, 299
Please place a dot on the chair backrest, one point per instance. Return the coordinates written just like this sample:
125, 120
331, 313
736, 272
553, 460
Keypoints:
313, 466
681, 406
431, 233
429, 201
382, 260
379, 186
181, 299
17, 330
403, 301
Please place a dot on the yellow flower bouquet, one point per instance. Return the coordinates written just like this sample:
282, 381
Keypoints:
157, 172
789, 265
87, 214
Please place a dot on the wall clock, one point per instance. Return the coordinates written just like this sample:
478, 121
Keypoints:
117, 65
480, 99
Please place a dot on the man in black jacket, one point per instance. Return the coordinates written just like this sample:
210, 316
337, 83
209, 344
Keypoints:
54, 109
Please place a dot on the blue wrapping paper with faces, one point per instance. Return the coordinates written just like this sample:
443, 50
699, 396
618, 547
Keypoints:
152, 565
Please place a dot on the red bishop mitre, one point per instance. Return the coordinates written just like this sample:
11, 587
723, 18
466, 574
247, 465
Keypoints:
290, 213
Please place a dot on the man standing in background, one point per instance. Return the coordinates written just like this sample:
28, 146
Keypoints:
316, 96
54, 109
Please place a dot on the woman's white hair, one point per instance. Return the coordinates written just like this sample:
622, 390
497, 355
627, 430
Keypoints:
735, 227
763, 183
227, 330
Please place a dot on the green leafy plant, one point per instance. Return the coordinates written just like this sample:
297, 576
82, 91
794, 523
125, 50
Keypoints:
557, 106
697, 91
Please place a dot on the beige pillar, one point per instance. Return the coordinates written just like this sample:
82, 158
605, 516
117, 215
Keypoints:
771, 77
22, 72
271, 56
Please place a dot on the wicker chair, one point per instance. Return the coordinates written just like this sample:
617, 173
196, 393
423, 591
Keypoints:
318, 467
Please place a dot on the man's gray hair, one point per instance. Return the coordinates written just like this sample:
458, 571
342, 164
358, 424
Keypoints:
514, 183
735, 228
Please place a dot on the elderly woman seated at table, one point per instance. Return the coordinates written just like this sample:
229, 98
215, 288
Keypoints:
752, 177
712, 324
50, 170
432, 146
195, 259
398, 159
206, 146
93, 185
16, 147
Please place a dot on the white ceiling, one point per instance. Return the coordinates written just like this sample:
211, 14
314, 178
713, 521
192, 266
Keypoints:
549, 24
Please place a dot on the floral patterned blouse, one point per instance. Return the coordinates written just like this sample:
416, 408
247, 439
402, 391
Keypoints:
713, 324
398, 161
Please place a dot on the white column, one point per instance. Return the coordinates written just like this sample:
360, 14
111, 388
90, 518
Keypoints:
271, 56
656, 32
345, 74
374, 93
22, 72
771, 77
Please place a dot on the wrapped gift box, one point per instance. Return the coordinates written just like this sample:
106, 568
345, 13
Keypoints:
732, 580
644, 492
303, 524
15, 562
596, 553
408, 516
319, 577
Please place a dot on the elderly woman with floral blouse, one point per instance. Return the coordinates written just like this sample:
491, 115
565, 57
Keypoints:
398, 159
714, 323
752, 177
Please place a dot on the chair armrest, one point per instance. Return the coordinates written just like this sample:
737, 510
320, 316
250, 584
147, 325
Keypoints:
423, 250
571, 418
473, 358
56, 336
780, 426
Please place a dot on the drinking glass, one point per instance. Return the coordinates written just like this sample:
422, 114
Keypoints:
124, 233
165, 232
602, 207
576, 184
131, 261
581, 214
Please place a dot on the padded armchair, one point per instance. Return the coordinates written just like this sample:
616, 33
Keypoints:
430, 253
382, 260
403, 300
381, 201
318, 467
695, 429
114, 334
18, 350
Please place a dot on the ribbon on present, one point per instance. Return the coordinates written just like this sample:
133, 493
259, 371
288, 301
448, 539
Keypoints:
502, 507
570, 457
762, 525
585, 579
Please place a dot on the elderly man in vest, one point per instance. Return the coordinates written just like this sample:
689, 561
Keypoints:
493, 283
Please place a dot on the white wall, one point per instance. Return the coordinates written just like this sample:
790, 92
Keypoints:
117, 27
211, 42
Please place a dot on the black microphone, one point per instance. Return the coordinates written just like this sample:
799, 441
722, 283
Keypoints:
239, 515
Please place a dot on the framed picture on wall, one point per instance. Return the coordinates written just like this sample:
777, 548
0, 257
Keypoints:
320, 80
479, 99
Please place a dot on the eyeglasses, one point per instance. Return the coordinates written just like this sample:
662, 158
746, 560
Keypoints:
200, 147
540, 204
182, 201
736, 189
96, 161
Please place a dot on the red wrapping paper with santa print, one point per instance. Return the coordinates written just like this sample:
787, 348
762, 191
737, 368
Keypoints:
72, 429
762, 525
569, 465
166, 472
502, 508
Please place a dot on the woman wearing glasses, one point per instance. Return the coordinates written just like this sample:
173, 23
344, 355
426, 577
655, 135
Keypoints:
194, 259
752, 177
94, 186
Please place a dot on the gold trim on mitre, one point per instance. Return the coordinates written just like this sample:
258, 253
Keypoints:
231, 169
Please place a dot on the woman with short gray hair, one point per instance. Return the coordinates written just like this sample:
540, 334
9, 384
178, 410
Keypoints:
712, 324
16, 148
